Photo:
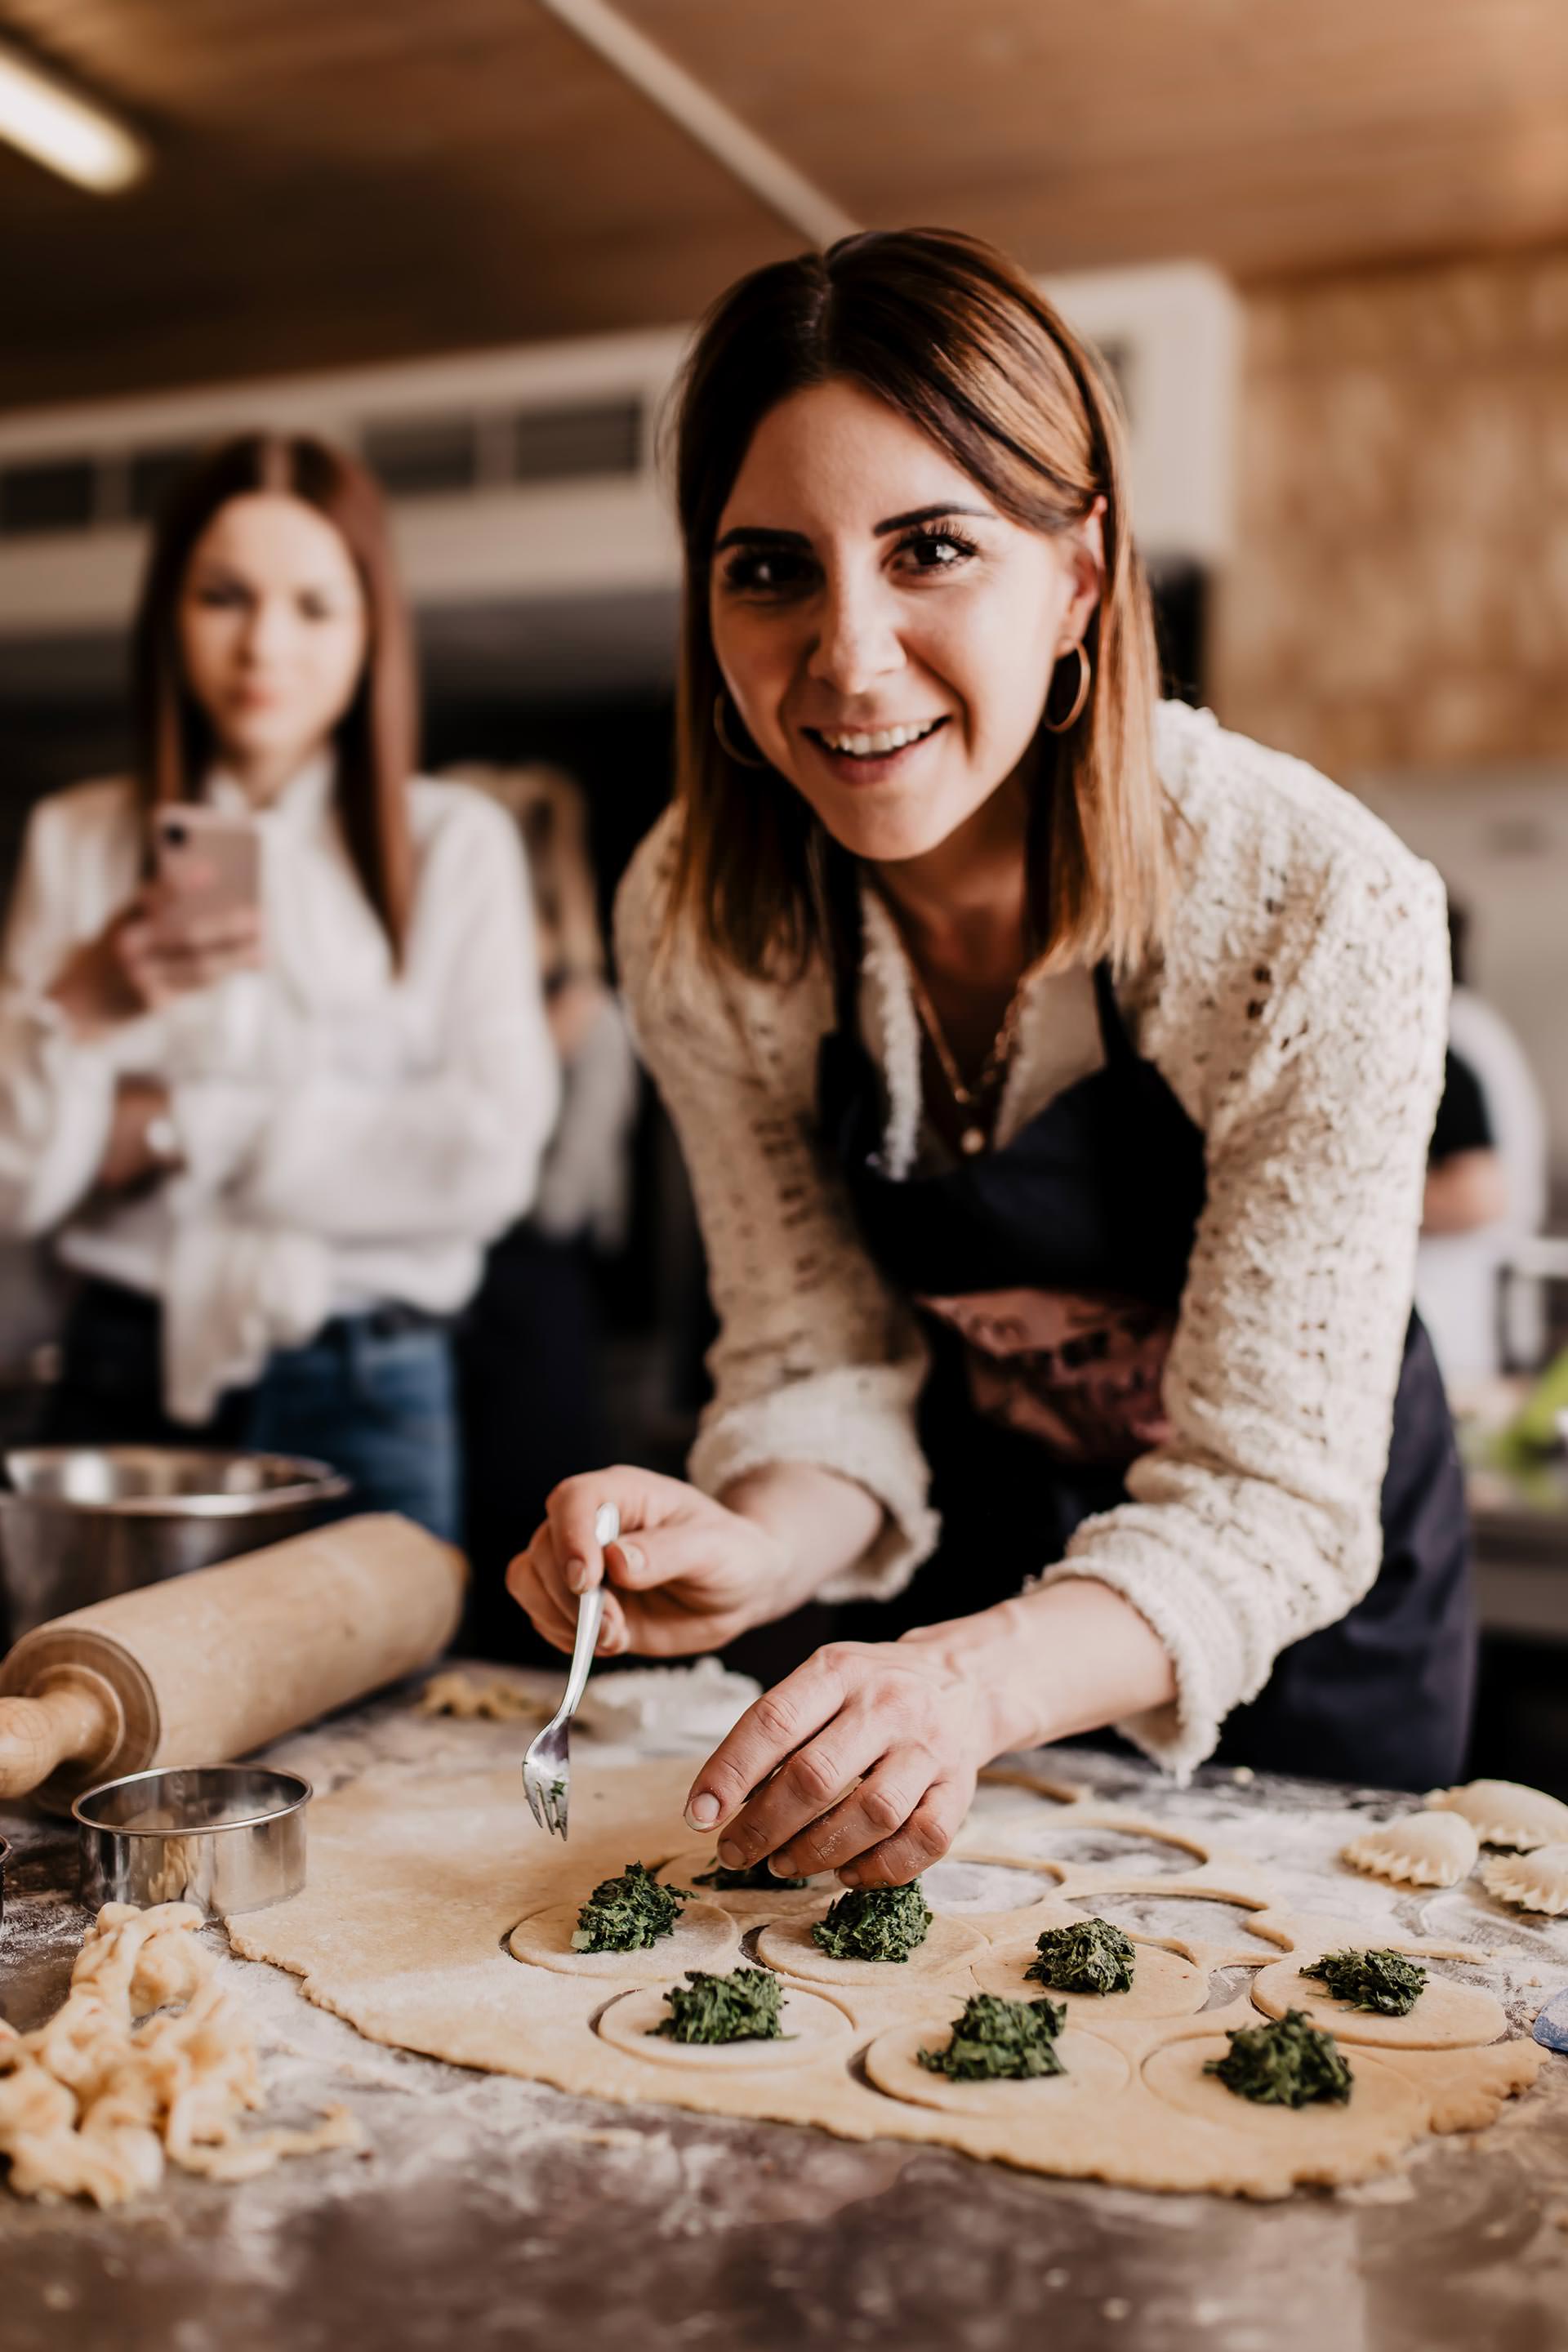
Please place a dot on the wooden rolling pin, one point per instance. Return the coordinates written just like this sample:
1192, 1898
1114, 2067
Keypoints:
210, 1666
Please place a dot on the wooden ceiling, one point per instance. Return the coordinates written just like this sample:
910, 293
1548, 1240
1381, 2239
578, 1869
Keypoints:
339, 181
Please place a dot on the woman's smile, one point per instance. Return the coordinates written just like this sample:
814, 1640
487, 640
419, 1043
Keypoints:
872, 754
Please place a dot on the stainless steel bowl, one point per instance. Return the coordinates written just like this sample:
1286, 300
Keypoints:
83, 1522
229, 1837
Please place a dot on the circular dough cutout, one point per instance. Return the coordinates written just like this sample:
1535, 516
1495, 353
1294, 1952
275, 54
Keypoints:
682, 1868
1382, 2112
1446, 2015
787, 1945
1095, 2071
1163, 1985
812, 2024
703, 1937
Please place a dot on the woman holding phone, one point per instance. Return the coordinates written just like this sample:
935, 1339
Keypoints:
1055, 1072
273, 1059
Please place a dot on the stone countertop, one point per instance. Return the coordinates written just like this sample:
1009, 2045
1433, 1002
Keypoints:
492, 2211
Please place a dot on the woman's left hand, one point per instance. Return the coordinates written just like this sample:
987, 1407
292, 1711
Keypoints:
864, 1760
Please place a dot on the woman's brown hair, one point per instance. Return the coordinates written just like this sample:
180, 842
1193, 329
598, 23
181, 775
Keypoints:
954, 337
375, 737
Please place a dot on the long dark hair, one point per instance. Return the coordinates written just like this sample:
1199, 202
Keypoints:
375, 737
953, 336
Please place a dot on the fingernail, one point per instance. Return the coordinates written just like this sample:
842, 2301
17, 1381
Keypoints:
703, 1810
632, 1558
781, 1868
577, 1575
729, 1854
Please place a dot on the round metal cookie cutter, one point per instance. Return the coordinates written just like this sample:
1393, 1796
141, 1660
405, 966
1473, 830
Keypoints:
228, 1837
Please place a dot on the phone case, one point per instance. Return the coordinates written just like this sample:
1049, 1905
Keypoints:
209, 859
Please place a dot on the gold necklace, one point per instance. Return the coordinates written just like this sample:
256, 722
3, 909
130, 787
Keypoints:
971, 1096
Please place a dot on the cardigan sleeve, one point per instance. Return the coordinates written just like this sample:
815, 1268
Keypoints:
1258, 1520
816, 1360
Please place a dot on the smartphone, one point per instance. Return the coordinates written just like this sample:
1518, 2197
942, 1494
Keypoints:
209, 860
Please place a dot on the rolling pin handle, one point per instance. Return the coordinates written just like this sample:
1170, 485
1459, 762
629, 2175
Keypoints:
73, 1717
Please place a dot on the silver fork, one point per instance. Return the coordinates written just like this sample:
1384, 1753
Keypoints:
547, 1767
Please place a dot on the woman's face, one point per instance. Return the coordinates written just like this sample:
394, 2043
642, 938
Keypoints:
272, 628
864, 589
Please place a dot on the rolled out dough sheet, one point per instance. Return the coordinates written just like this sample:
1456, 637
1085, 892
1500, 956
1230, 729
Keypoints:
418, 1879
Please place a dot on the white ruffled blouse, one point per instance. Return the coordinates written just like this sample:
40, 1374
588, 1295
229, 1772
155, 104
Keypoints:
351, 1134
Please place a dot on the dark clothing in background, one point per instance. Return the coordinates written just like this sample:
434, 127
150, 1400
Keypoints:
1463, 1122
530, 1381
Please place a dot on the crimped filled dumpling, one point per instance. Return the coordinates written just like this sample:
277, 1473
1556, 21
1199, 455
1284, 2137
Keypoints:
1505, 1813
1537, 1881
1435, 1849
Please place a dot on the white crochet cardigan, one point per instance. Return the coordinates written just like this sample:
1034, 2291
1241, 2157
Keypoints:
1300, 1017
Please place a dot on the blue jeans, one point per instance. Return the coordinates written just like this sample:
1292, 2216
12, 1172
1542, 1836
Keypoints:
373, 1395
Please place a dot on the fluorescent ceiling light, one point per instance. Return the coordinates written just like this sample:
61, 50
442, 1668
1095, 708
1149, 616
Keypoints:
48, 120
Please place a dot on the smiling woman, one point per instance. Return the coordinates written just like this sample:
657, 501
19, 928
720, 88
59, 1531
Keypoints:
963, 531
1055, 1073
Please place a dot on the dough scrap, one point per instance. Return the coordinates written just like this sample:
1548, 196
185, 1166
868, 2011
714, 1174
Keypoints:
1537, 1881
1448, 2015
147, 2062
703, 1936
416, 1881
1505, 1813
1428, 1849
458, 1692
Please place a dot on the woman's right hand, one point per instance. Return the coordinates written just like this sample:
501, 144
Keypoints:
150, 952
685, 1576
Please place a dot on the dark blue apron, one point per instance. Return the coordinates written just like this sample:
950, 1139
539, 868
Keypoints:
1049, 1274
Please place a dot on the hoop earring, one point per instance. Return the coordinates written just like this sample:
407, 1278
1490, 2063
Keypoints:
1085, 675
741, 758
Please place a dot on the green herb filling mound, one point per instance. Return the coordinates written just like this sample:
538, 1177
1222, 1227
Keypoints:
1285, 2064
751, 1877
624, 1914
1381, 1981
1092, 1957
875, 1923
741, 2007
998, 2040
